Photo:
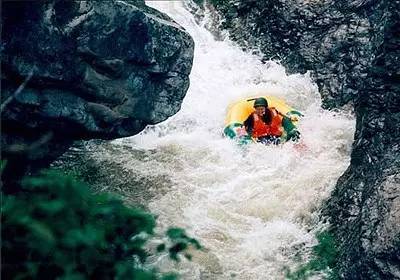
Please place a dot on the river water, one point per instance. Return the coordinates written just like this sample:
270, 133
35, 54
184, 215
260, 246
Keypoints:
255, 211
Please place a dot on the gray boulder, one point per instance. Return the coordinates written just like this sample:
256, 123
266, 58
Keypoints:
98, 69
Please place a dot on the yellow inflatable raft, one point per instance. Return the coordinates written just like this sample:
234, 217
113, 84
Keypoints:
240, 110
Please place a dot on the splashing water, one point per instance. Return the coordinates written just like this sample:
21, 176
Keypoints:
251, 210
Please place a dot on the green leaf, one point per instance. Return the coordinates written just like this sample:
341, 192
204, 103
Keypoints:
161, 247
195, 243
175, 233
188, 256
3, 164
42, 232
170, 276
52, 207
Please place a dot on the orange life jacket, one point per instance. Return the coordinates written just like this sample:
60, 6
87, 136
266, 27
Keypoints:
261, 129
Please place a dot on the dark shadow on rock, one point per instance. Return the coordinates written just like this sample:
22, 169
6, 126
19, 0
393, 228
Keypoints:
101, 69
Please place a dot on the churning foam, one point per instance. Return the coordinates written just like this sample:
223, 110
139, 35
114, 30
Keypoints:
252, 210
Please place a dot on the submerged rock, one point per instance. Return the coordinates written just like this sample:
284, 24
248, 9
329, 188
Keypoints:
352, 49
98, 69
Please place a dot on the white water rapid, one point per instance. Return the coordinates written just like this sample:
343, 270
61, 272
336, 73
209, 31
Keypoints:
255, 212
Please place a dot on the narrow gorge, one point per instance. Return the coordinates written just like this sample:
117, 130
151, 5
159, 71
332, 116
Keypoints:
130, 97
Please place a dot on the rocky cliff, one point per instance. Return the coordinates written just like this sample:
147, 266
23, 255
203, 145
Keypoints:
89, 69
352, 49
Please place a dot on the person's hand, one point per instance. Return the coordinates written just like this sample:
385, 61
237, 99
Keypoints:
241, 131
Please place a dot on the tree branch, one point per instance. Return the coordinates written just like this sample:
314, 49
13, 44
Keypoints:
17, 92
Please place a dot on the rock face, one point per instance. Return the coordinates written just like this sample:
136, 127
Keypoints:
365, 206
352, 49
98, 69
330, 37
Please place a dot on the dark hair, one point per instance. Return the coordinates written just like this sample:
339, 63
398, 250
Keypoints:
268, 116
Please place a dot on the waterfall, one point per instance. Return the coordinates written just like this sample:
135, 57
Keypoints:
254, 211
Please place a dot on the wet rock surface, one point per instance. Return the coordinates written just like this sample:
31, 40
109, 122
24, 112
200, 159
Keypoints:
352, 49
333, 39
94, 69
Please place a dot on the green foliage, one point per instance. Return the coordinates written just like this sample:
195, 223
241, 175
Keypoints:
56, 228
180, 242
3, 163
324, 259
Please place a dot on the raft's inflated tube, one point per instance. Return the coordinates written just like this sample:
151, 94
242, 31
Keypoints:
240, 110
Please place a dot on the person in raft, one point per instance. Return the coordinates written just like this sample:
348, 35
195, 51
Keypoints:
265, 124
